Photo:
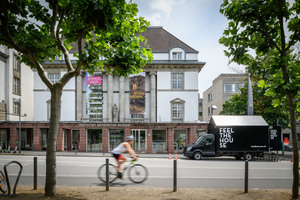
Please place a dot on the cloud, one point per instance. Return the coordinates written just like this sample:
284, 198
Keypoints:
155, 19
166, 6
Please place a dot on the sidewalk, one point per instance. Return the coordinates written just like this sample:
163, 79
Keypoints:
287, 155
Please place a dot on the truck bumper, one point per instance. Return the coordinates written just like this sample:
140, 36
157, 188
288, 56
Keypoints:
188, 154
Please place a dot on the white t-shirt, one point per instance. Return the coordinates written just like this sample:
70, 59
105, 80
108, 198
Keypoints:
119, 149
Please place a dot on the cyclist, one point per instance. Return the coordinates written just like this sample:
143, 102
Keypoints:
122, 148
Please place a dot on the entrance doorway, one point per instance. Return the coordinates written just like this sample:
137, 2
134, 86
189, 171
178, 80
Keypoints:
95, 140
140, 142
116, 137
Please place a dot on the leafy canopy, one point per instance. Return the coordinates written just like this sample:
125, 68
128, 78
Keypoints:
41, 30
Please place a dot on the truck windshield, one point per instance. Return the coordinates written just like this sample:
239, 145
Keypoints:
199, 139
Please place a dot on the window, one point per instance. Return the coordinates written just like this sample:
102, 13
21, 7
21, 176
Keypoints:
177, 111
177, 81
60, 58
137, 116
16, 64
16, 108
228, 88
238, 86
177, 55
233, 88
210, 110
210, 96
200, 104
54, 77
16, 89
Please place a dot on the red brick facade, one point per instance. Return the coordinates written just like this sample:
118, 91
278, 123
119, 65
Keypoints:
65, 130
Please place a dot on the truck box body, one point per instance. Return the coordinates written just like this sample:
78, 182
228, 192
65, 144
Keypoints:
239, 133
239, 136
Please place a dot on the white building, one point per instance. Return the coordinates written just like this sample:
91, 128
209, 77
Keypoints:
159, 106
171, 86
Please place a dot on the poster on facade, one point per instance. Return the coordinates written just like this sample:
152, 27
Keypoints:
137, 93
94, 95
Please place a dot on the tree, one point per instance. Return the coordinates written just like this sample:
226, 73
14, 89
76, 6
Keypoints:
261, 27
41, 31
237, 105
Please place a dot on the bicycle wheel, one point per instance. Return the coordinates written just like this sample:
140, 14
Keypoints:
3, 184
137, 173
112, 173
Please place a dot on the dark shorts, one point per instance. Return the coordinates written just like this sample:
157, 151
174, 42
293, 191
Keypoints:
117, 156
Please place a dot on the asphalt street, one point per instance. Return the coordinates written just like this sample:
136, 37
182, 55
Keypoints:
81, 170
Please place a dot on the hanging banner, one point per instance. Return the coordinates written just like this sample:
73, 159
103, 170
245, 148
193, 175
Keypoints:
137, 93
94, 95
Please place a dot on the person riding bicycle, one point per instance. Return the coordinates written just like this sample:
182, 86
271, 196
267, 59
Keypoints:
122, 148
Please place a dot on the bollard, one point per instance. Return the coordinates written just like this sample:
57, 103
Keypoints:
107, 174
175, 176
35, 173
246, 175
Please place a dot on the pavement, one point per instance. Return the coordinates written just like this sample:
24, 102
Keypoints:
287, 155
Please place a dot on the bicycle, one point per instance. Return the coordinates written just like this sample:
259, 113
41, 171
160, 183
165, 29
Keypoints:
137, 173
3, 184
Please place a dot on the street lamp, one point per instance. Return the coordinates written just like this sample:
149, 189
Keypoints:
214, 107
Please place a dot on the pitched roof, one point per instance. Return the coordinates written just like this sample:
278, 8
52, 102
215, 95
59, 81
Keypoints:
160, 40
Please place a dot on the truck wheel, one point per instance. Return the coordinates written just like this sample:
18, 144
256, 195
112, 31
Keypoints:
248, 156
237, 157
197, 156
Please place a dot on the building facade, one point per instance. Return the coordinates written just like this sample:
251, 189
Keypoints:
99, 110
223, 87
16, 92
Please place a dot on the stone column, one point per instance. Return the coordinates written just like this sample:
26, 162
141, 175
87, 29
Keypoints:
69, 140
37, 139
149, 140
122, 99
14, 137
170, 140
109, 97
153, 97
60, 139
82, 139
105, 139
79, 103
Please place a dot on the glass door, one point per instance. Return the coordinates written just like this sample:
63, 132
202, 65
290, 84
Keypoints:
139, 144
116, 137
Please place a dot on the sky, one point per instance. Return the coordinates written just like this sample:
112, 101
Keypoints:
199, 24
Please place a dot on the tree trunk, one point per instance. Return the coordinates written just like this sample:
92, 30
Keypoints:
295, 191
50, 186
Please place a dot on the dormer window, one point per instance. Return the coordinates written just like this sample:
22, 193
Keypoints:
177, 55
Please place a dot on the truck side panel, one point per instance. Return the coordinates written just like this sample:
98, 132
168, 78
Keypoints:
241, 138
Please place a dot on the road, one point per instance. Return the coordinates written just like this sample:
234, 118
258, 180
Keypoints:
208, 173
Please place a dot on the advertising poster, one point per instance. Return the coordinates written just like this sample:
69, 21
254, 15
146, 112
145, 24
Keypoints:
137, 93
94, 95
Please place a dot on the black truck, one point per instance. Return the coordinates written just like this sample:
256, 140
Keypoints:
239, 136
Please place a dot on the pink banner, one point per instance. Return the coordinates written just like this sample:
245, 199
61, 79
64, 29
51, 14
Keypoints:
94, 80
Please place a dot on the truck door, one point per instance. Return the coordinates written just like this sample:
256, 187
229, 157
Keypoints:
208, 148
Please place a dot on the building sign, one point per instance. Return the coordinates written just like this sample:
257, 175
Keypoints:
94, 95
137, 93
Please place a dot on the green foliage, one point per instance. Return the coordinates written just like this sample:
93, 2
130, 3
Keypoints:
262, 105
104, 28
257, 37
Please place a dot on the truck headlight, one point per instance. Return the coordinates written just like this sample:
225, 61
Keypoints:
188, 149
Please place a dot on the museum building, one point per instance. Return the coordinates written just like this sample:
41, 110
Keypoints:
159, 106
